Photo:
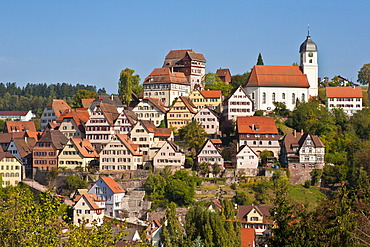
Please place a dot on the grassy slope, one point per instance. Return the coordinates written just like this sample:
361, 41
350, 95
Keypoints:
311, 196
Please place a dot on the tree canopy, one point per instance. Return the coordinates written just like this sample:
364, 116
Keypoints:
213, 82
194, 134
128, 83
364, 74
82, 94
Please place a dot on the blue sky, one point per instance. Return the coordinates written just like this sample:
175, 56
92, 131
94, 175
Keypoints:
90, 42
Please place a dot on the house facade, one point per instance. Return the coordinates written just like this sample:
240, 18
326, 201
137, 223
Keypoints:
111, 192
211, 98
246, 161
238, 104
21, 148
10, 169
259, 133
52, 111
192, 64
349, 99
256, 217
209, 120
72, 122
89, 209
169, 155
181, 113
210, 154
301, 153
78, 153
120, 154
151, 109
17, 115
47, 148
166, 85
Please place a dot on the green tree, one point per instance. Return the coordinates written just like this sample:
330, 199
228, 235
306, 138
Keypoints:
280, 109
363, 76
74, 182
242, 198
260, 60
173, 233
213, 82
127, 84
239, 80
82, 94
259, 113
194, 135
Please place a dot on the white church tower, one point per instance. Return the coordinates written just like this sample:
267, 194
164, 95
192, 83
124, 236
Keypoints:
309, 66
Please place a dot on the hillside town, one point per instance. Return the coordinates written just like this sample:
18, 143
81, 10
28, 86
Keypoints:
190, 146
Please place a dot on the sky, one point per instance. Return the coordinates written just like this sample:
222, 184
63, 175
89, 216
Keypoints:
90, 42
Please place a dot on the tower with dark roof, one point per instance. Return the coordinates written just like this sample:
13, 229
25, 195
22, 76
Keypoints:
309, 65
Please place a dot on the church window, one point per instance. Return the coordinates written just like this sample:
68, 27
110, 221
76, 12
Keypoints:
293, 98
283, 96
273, 97
252, 95
310, 60
303, 97
264, 98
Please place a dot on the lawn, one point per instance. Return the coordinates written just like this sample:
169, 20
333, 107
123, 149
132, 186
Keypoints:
309, 196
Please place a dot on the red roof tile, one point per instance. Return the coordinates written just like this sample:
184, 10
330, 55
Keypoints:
85, 148
116, 188
13, 113
16, 126
261, 125
164, 75
189, 104
179, 54
86, 103
211, 93
59, 106
277, 76
129, 144
248, 236
344, 92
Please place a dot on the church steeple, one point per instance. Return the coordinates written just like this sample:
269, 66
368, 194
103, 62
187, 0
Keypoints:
308, 52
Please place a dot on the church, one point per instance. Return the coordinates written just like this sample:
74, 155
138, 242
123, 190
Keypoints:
268, 84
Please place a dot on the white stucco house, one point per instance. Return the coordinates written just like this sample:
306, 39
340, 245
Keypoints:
89, 209
111, 192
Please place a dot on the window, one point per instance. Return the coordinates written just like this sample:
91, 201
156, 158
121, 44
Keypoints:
264, 98
303, 98
273, 97
283, 96
293, 98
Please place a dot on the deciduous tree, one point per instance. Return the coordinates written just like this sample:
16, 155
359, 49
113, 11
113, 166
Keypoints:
127, 84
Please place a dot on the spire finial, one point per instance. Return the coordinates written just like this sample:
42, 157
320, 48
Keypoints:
308, 31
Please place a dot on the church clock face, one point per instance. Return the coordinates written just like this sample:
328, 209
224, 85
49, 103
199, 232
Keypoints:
310, 54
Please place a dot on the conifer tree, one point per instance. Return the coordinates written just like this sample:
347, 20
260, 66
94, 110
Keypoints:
260, 60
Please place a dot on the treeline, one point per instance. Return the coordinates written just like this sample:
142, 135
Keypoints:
35, 96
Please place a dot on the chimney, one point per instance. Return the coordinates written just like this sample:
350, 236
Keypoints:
295, 133
301, 131
253, 126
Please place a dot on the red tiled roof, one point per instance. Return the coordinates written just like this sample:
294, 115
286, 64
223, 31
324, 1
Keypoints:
59, 106
248, 236
344, 92
149, 125
211, 93
86, 103
13, 113
164, 132
91, 200
277, 76
216, 141
189, 104
6, 155
116, 188
85, 148
179, 54
296, 139
164, 75
80, 116
129, 144
261, 125
16, 126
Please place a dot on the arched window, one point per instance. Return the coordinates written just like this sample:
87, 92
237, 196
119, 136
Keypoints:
254, 142
273, 97
303, 98
283, 96
252, 95
264, 98
293, 98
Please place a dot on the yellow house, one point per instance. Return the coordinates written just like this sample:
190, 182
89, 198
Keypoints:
10, 169
181, 112
211, 98
77, 153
